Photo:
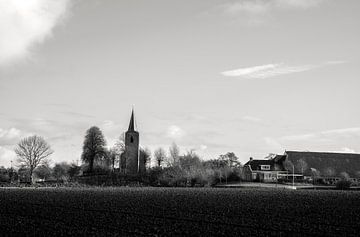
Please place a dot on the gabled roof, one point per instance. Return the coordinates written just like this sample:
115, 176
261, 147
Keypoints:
256, 163
279, 158
325, 161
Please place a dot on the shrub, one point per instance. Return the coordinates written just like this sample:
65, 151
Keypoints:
343, 184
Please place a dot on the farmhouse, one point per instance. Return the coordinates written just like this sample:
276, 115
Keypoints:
265, 170
327, 167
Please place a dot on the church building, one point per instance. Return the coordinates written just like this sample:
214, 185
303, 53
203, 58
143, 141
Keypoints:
130, 160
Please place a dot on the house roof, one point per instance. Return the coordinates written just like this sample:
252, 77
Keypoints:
255, 164
325, 161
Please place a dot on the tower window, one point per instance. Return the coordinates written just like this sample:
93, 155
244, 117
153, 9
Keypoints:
131, 139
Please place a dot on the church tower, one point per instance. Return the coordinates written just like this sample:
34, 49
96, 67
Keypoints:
132, 148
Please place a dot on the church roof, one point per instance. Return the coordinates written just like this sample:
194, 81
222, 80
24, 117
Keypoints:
132, 122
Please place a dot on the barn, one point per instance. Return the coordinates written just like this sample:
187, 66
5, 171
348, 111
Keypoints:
329, 167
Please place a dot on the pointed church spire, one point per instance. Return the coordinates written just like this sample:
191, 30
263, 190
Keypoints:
132, 122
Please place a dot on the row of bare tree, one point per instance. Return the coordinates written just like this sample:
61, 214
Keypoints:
33, 154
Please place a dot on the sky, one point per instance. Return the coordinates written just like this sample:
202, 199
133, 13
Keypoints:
251, 77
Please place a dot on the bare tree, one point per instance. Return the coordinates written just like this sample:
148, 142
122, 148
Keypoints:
301, 165
315, 174
160, 156
32, 151
119, 150
119, 146
230, 159
174, 152
288, 165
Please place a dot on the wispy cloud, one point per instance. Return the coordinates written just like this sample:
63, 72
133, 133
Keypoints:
272, 70
325, 135
260, 12
264, 6
342, 131
26, 23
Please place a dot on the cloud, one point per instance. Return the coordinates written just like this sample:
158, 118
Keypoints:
265, 6
298, 4
9, 136
342, 131
25, 23
6, 156
272, 70
260, 12
175, 132
325, 135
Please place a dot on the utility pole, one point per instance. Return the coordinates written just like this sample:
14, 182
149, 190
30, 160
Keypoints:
293, 175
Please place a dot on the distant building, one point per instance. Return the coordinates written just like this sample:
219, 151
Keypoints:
130, 160
324, 166
330, 167
265, 170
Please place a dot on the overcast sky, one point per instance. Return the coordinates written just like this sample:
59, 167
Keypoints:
251, 77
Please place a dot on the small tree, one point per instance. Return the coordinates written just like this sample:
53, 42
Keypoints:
160, 156
94, 147
32, 151
73, 171
60, 171
113, 157
329, 172
145, 156
43, 171
344, 176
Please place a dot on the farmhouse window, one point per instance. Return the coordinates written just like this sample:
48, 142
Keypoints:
265, 167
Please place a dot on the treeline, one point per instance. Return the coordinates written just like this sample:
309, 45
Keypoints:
163, 167
190, 170
59, 173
